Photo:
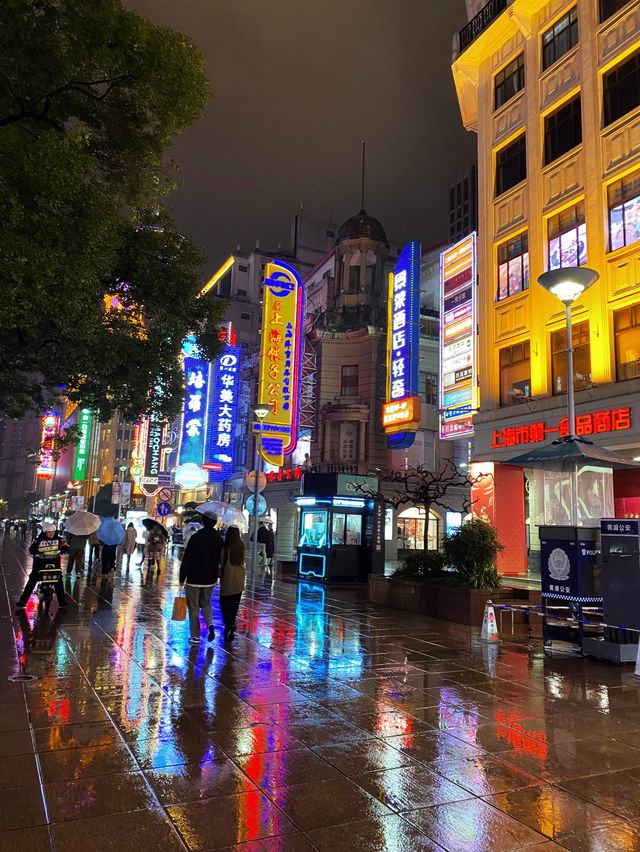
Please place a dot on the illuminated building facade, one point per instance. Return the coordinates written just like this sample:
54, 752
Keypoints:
552, 90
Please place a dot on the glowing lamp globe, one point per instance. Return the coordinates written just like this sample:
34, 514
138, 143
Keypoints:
568, 283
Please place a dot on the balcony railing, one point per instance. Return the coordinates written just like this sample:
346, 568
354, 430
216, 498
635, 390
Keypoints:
477, 25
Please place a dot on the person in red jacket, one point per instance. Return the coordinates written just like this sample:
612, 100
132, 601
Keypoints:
46, 550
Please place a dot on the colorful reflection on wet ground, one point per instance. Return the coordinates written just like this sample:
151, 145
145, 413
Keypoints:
329, 724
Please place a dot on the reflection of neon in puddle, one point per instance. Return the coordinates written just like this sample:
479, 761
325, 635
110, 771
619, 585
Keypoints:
531, 742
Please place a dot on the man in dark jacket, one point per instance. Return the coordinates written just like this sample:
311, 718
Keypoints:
199, 572
46, 550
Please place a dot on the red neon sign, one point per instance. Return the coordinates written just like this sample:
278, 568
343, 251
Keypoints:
285, 474
616, 420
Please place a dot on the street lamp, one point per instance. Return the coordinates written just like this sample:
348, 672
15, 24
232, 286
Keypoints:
568, 284
261, 410
122, 469
95, 480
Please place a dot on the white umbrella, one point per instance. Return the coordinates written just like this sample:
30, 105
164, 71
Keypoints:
226, 513
82, 523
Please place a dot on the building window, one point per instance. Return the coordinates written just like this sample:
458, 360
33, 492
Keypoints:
610, 7
626, 325
511, 165
509, 81
410, 529
581, 358
562, 130
624, 211
349, 383
244, 316
515, 373
622, 89
568, 238
242, 268
428, 387
513, 266
560, 38
242, 293
354, 277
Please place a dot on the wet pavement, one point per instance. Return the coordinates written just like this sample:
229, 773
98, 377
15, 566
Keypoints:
329, 724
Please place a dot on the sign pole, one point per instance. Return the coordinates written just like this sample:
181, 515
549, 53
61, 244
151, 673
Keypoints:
256, 492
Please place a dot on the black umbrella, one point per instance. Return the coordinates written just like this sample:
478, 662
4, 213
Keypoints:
567, 452
150, 524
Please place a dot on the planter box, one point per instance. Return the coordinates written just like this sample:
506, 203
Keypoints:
463, 606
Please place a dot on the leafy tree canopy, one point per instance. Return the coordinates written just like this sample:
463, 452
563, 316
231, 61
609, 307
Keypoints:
91, 96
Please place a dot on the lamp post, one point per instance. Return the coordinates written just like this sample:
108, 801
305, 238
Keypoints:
95, 480
122, 470
568, 284
261, 410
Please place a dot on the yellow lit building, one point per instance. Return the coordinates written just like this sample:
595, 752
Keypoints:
552, 90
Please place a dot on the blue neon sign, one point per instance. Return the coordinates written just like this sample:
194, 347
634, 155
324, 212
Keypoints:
224, 384
194, 408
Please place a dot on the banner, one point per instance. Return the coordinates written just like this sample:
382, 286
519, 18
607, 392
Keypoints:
82, 450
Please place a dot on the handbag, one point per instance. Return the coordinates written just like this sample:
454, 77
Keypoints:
179, 607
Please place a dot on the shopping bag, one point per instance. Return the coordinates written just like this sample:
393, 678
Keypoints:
179, 608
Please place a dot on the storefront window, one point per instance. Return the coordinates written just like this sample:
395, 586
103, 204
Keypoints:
346, 528
581, 358
313, 529
411, 530
515, 373
627, 333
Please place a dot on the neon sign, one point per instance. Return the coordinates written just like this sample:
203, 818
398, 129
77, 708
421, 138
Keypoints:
82, 450
401, 412
458, 341
616, 420
46, 466
153, 456
194, 408
224, 382
280, 361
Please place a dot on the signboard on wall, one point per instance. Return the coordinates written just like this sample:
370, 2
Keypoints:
224, 384
458, 339
401, 410
82, 450
47, 465
153, 455
194, 407
280, 361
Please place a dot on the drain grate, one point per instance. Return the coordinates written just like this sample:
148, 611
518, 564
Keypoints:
22, 678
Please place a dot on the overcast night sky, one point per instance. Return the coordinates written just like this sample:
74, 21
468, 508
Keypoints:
297, 84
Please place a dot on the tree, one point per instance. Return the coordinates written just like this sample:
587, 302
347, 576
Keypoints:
91, 96
446, 487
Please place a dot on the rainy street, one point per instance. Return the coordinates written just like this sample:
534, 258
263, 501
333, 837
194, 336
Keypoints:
329, 724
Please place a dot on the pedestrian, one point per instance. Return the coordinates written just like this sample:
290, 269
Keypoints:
46, 550
130, 542
77, 545
271, 547
7, 527
34, 528
94, 548
23, 532
263, 540
232, 579
156, 543
199, 571
108, 558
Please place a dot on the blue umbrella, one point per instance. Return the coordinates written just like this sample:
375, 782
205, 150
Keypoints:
110, 531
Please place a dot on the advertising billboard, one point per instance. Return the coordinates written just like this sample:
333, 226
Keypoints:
47, 466
459, 396
224, 387
401, 411
82, 450
194, 407
280, 361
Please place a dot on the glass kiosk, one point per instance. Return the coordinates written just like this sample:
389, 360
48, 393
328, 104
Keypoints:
341, 535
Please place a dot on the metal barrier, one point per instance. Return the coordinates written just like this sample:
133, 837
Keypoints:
538, 610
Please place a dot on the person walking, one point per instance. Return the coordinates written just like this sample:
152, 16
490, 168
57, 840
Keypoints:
108, 558
94, 548
199, 571
232, 580
46, 550
130, 542
23, 532
263, 540
77, 545
270, 547
156, 544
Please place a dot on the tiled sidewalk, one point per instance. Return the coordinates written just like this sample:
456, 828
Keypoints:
329, 725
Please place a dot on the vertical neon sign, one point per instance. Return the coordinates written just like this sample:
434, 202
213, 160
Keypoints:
224, 383
281, 360
46, 466
82, 450
401, 411
194, 409
458, 339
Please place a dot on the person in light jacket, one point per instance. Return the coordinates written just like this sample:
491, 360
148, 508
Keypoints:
232, 580
199, 571
130, 543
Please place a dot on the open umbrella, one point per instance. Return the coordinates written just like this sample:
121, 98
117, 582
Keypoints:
567, 452
110, 531
226, 513
151, 524
82, 523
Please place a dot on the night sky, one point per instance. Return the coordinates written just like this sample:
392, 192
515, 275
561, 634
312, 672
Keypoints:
297, 85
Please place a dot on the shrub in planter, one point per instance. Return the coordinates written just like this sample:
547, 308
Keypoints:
472, 550
421, 565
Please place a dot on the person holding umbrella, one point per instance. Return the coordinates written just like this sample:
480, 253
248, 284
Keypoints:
156, 542
111, 535
78, 528
130, 542
199, 571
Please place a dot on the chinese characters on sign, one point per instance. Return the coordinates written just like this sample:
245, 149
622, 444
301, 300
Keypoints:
285, 474
47, 465
458, 371
281, 360
617, 420
224, 381
80, 464
403, 351
194, 407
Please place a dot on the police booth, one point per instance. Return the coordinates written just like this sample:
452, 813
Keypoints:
341, 528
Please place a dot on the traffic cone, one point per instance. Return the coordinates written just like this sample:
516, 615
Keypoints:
490, 656
489, 631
